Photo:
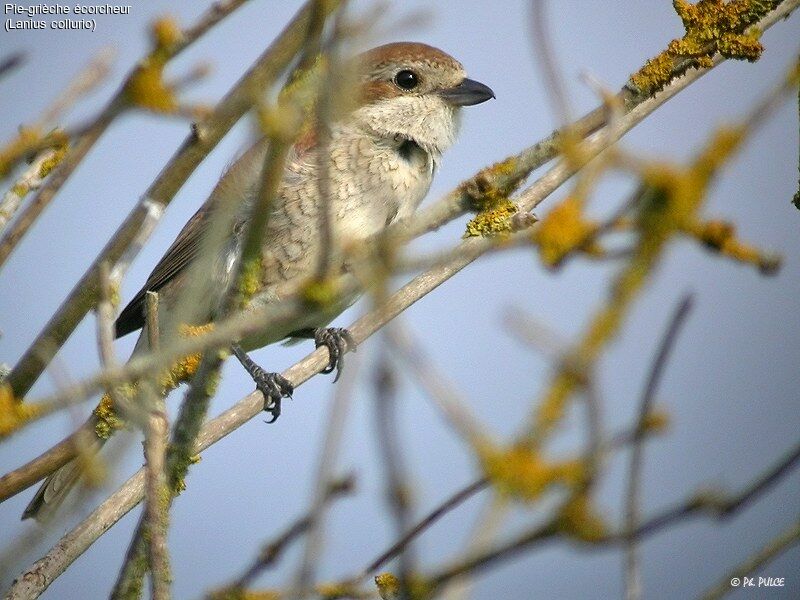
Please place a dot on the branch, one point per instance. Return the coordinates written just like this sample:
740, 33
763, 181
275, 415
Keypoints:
633, 589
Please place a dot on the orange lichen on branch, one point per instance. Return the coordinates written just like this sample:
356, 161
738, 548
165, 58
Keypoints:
13, 412
493, 221
19, 148
523, 474
146, 87
488, 194
390, 588
108, 420
563, 230
579, 519
720, 236
711, 26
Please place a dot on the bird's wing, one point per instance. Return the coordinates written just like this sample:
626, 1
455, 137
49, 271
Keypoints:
175, 259
237, 183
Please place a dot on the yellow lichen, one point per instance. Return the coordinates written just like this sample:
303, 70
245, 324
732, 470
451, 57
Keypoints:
389, 588
18, 148
107, 419
720, 236
59, 152
578, 519
13, 412
523, 474
167, 34
339, 591
491, 185
564, 229
711, 26
20, 190
146, 87
250, 280
494, 221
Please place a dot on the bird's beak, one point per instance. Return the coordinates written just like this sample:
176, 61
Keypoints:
467, 93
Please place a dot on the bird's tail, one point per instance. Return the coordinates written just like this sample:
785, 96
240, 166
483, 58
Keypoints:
57, 485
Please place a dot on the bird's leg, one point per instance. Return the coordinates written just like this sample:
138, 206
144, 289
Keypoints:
337, 340
274, 386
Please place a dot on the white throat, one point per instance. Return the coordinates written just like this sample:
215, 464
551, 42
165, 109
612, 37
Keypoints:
427, 120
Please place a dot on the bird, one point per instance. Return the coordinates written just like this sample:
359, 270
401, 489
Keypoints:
379, 157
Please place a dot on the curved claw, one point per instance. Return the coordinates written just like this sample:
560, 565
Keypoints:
337, 340
274, 387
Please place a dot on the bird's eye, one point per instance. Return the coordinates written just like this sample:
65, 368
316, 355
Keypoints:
406, 79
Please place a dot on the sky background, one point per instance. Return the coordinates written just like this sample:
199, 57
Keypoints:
732, 384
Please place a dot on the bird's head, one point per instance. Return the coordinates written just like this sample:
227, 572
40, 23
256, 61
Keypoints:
413, 91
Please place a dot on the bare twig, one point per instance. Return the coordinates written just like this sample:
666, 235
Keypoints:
633, 585
324, 474
398, 489
437, 384
397, 547
273, 550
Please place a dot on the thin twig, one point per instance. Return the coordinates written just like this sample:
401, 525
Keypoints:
435, 382
273, 550
448, 505
8, 64
543, 51
633, 584
342, 398
398, 489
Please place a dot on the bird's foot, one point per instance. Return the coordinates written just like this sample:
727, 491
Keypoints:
337, 340
273, 386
